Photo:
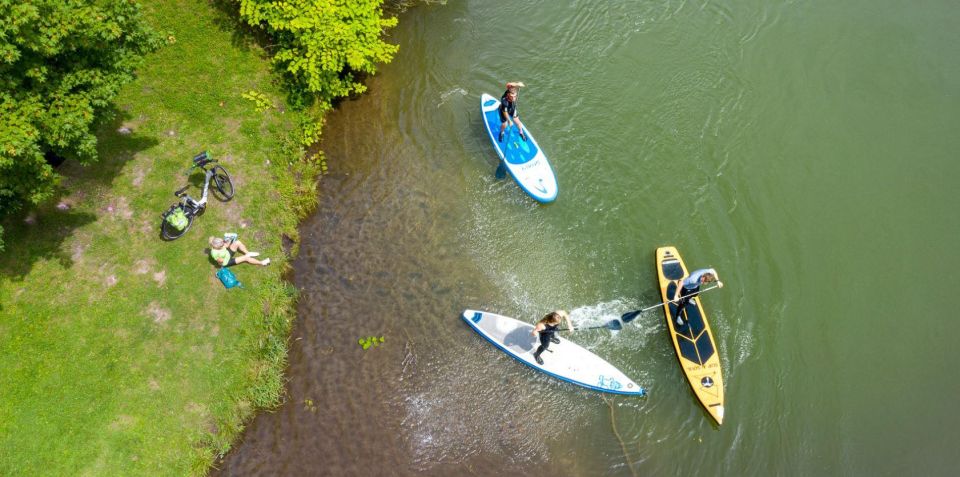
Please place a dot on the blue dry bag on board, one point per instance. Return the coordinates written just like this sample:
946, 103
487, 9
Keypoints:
227, 277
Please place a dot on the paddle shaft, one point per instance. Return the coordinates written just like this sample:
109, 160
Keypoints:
617, 324
679, 298
633, 314
587, 328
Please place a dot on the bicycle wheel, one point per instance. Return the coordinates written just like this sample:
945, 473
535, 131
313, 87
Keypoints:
222, 185
168, 230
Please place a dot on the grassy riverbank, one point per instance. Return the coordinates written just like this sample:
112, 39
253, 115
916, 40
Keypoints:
122, 354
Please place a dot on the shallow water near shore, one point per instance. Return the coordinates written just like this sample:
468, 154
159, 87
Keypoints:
806, 150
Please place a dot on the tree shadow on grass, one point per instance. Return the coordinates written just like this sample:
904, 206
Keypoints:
242, 35
38, 233
118, 142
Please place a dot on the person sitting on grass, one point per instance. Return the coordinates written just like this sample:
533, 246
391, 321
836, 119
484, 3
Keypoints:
223, 253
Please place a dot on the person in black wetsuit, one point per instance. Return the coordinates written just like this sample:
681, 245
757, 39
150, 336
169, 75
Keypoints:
508, 109
546, 329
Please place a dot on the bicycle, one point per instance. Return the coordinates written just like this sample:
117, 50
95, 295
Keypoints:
179, 217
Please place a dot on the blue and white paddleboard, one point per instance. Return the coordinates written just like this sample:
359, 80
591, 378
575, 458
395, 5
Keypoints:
523, 159
568, 361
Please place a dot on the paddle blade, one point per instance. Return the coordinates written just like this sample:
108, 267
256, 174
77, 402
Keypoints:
615, 325
628, 317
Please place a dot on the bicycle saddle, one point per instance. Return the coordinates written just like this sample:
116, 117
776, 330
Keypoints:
181, 191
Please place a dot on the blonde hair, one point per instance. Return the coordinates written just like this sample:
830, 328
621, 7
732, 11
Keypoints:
216, 242
554, 317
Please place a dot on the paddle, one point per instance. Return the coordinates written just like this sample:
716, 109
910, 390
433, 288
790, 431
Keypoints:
628, 317
610, 325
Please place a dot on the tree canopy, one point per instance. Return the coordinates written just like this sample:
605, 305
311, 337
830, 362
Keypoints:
323, 46
62, 62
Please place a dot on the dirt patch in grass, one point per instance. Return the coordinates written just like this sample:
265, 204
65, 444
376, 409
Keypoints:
159, 314
204, 351
198, 409
105, 275
142, 266
119, 207
71, 201
140, 173
122, 422
231, 126
76, 253
131, 125
233, 214
122, 334
160, 277
149, 229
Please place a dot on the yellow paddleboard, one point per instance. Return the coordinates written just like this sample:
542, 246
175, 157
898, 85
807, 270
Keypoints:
693, 341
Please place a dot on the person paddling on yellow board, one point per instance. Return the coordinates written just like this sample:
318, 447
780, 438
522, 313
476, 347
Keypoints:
691, 288
508, 109
547, 329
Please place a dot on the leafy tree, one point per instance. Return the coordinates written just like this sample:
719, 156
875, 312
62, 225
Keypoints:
323, 46
62, 62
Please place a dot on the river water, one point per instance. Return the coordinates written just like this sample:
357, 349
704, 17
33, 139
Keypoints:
805, 149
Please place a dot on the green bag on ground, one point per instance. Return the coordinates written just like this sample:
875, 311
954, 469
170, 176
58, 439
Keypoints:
178, 219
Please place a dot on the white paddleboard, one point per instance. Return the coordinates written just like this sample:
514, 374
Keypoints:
568, 361
524, 160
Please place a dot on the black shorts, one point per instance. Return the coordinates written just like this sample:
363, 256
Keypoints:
508, 110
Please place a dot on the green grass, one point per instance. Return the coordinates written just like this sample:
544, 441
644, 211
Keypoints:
121, 354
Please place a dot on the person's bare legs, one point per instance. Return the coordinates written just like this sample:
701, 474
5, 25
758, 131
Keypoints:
516, 120
251, 260
238, 245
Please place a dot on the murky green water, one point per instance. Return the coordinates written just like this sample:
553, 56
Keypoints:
807, 150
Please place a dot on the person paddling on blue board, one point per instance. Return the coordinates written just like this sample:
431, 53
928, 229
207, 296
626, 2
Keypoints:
691, 288
508, 109
547, 329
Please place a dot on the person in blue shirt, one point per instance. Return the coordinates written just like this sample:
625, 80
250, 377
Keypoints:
691, 288
508, 109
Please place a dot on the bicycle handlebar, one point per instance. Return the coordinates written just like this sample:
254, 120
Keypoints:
200, 160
